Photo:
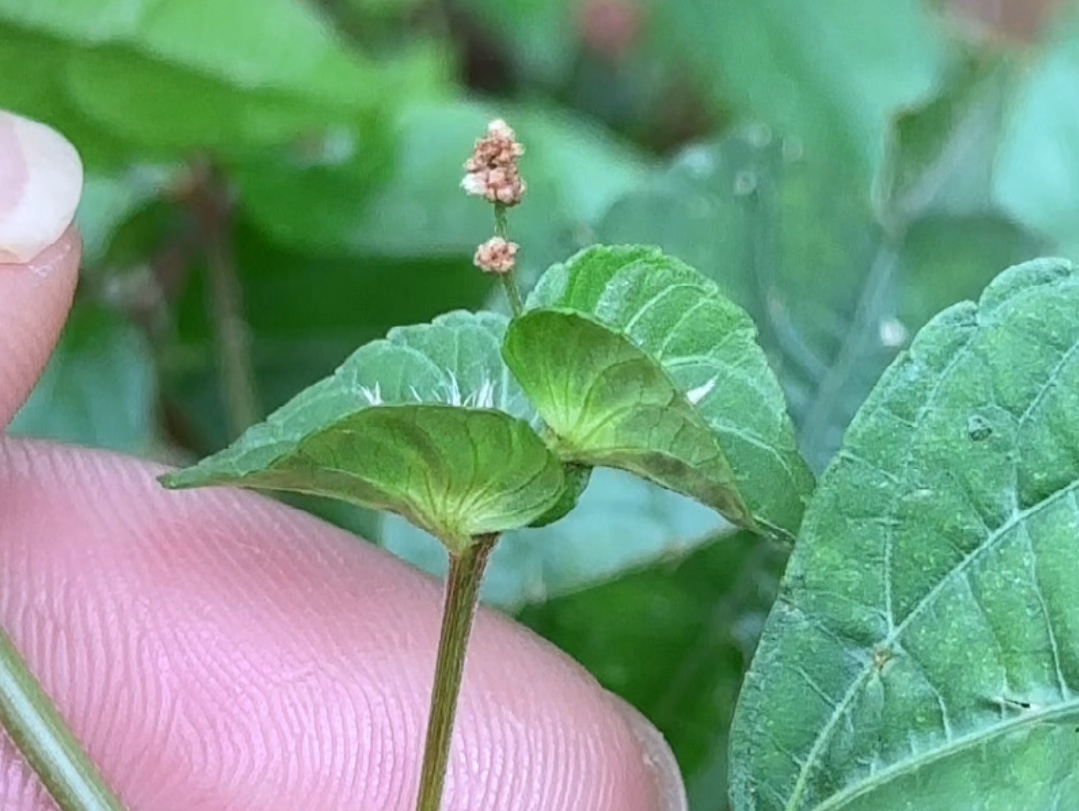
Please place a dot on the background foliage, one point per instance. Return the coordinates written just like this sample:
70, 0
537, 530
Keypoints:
272, 182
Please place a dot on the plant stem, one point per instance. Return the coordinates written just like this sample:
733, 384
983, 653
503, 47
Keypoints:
509, 281
211, 210
36, 728
458, 610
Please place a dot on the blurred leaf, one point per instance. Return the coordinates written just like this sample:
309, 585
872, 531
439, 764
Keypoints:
697, 621
825, 74
939, 155
176, 75
573, 173
791, 237
1037, 170
305, 315
923, 646
425, 423
98, 389
620, 523
637, 362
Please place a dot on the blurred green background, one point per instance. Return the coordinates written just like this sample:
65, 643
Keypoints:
271, 183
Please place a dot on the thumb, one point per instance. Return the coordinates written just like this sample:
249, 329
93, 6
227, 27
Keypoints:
40, 183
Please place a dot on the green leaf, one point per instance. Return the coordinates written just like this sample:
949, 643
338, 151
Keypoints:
636, 361
621, 523
175, 75
835, 297
924, 649
826, 74
425, 423
699, 617
99, 389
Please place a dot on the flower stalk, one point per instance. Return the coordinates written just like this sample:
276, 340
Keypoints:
493, 174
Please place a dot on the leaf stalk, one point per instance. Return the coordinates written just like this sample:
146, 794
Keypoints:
458, 610
43, 739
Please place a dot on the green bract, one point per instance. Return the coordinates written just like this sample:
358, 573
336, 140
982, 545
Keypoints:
426, 423
636, 361
924, 650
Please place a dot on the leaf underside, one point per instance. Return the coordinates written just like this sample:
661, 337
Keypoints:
924, 651
426, 423
636, 361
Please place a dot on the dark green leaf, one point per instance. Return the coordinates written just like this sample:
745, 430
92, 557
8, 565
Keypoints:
698, 619
637, 362
99, 388
426, 423
924, 650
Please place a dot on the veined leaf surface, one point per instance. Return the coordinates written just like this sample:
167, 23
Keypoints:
924, 651
637, 362
426, 423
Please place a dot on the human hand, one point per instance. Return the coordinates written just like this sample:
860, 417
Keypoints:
217, 650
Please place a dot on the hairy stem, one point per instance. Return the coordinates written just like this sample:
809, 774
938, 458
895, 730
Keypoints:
509, 280
211, 210
36, 728
458, 610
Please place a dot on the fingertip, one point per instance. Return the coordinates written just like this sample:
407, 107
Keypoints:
35, 298
657, 756
40, 186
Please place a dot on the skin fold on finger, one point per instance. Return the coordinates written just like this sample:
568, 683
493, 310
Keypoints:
215, 650
34, 302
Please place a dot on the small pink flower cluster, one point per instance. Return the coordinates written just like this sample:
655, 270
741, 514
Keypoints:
492, 168
494, 176
496, 255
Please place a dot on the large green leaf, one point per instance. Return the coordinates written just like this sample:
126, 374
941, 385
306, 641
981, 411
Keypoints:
620, 523
426, 423
177, 75
99, 388
790, 236
636, 361
698, 617
924, 650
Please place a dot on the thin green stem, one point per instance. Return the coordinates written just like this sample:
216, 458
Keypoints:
509, 281
458, 610
36, 728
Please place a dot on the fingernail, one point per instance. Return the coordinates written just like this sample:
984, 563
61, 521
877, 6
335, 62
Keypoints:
40, 184
658, 759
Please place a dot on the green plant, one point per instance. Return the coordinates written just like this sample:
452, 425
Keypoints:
475, 424
844, 174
